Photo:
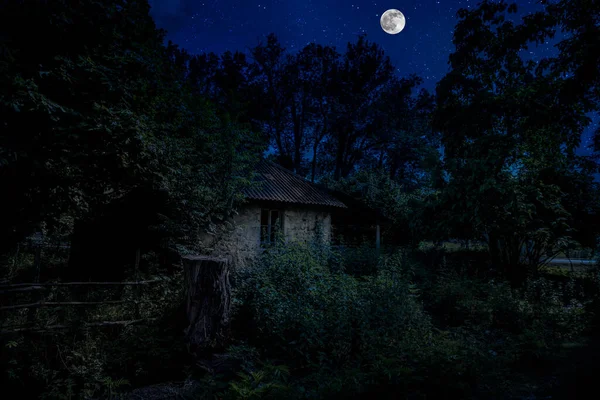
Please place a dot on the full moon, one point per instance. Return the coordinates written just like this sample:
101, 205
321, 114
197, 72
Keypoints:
392, 21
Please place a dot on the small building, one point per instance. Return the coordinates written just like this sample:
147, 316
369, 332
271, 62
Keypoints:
284, 202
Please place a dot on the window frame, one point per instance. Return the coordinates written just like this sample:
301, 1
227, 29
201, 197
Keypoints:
270, 233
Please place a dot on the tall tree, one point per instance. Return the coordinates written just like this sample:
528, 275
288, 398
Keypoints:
403, 143
93, 127
579, 50
202, 74
299, 76
271, 98
364, 71
503, 126
324, 63
73, 110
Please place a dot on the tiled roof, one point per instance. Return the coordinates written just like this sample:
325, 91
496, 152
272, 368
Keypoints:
280, 184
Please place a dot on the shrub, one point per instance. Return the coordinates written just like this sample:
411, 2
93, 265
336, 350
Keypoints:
305, 312
361, 260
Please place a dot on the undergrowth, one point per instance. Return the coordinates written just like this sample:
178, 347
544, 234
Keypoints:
310, 322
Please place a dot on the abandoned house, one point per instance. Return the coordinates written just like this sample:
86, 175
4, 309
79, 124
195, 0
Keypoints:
287, 203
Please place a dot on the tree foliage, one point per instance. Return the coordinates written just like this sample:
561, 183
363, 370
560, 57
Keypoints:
506, 130
114, 119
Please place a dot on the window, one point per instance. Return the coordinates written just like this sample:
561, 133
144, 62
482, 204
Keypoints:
271, 222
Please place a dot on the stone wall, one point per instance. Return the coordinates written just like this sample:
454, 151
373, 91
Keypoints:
299, 224
239, 245
247, 235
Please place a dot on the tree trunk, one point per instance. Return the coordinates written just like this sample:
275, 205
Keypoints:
297, 158
208, 302
37, 261
297, 119
340, 153
136, 269
278, 141
318, 139
313, 165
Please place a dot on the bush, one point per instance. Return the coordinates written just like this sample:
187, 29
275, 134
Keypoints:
359, 261
301, 309
335, 327
404, 329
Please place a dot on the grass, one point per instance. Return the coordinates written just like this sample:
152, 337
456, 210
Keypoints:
451, 246
578, 271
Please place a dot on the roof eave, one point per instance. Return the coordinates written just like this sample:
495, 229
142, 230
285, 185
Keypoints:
339, 205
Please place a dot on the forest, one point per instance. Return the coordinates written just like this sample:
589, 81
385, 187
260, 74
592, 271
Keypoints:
120, 151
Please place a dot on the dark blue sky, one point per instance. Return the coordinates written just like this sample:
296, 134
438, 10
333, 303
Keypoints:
422, 47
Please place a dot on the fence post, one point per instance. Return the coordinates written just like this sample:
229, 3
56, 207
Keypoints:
37, 260
137, 287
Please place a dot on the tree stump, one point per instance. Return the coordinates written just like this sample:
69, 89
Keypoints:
208, 302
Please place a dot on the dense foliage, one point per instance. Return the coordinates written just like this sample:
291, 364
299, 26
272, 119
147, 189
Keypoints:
402, 331
510, 137
89, 124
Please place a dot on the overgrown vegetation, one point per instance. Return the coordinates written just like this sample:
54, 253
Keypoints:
309, 324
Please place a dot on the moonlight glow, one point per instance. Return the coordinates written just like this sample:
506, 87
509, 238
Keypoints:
392, 21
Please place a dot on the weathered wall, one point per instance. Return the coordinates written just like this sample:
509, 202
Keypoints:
247, 235
299, 224
240, 244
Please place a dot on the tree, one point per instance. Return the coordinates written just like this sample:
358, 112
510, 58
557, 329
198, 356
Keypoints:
73, 111
404, 144
579, 51
364, 72
504, 126
323, 61
400, 206
202, 74
232, 79
271, 99
300, 75
92, 129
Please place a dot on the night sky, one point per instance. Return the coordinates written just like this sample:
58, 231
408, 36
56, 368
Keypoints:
422, 47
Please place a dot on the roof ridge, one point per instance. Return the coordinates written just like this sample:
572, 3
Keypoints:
295, 175
288, 171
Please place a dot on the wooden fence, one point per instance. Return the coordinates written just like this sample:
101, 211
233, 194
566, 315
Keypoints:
30, 306
10, 291
35, 295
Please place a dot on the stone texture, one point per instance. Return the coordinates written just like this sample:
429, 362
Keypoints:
299, 224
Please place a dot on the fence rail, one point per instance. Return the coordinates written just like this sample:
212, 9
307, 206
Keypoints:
45, 284
59, 327
10, 289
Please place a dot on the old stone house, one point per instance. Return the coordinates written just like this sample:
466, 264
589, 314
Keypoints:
284, 202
